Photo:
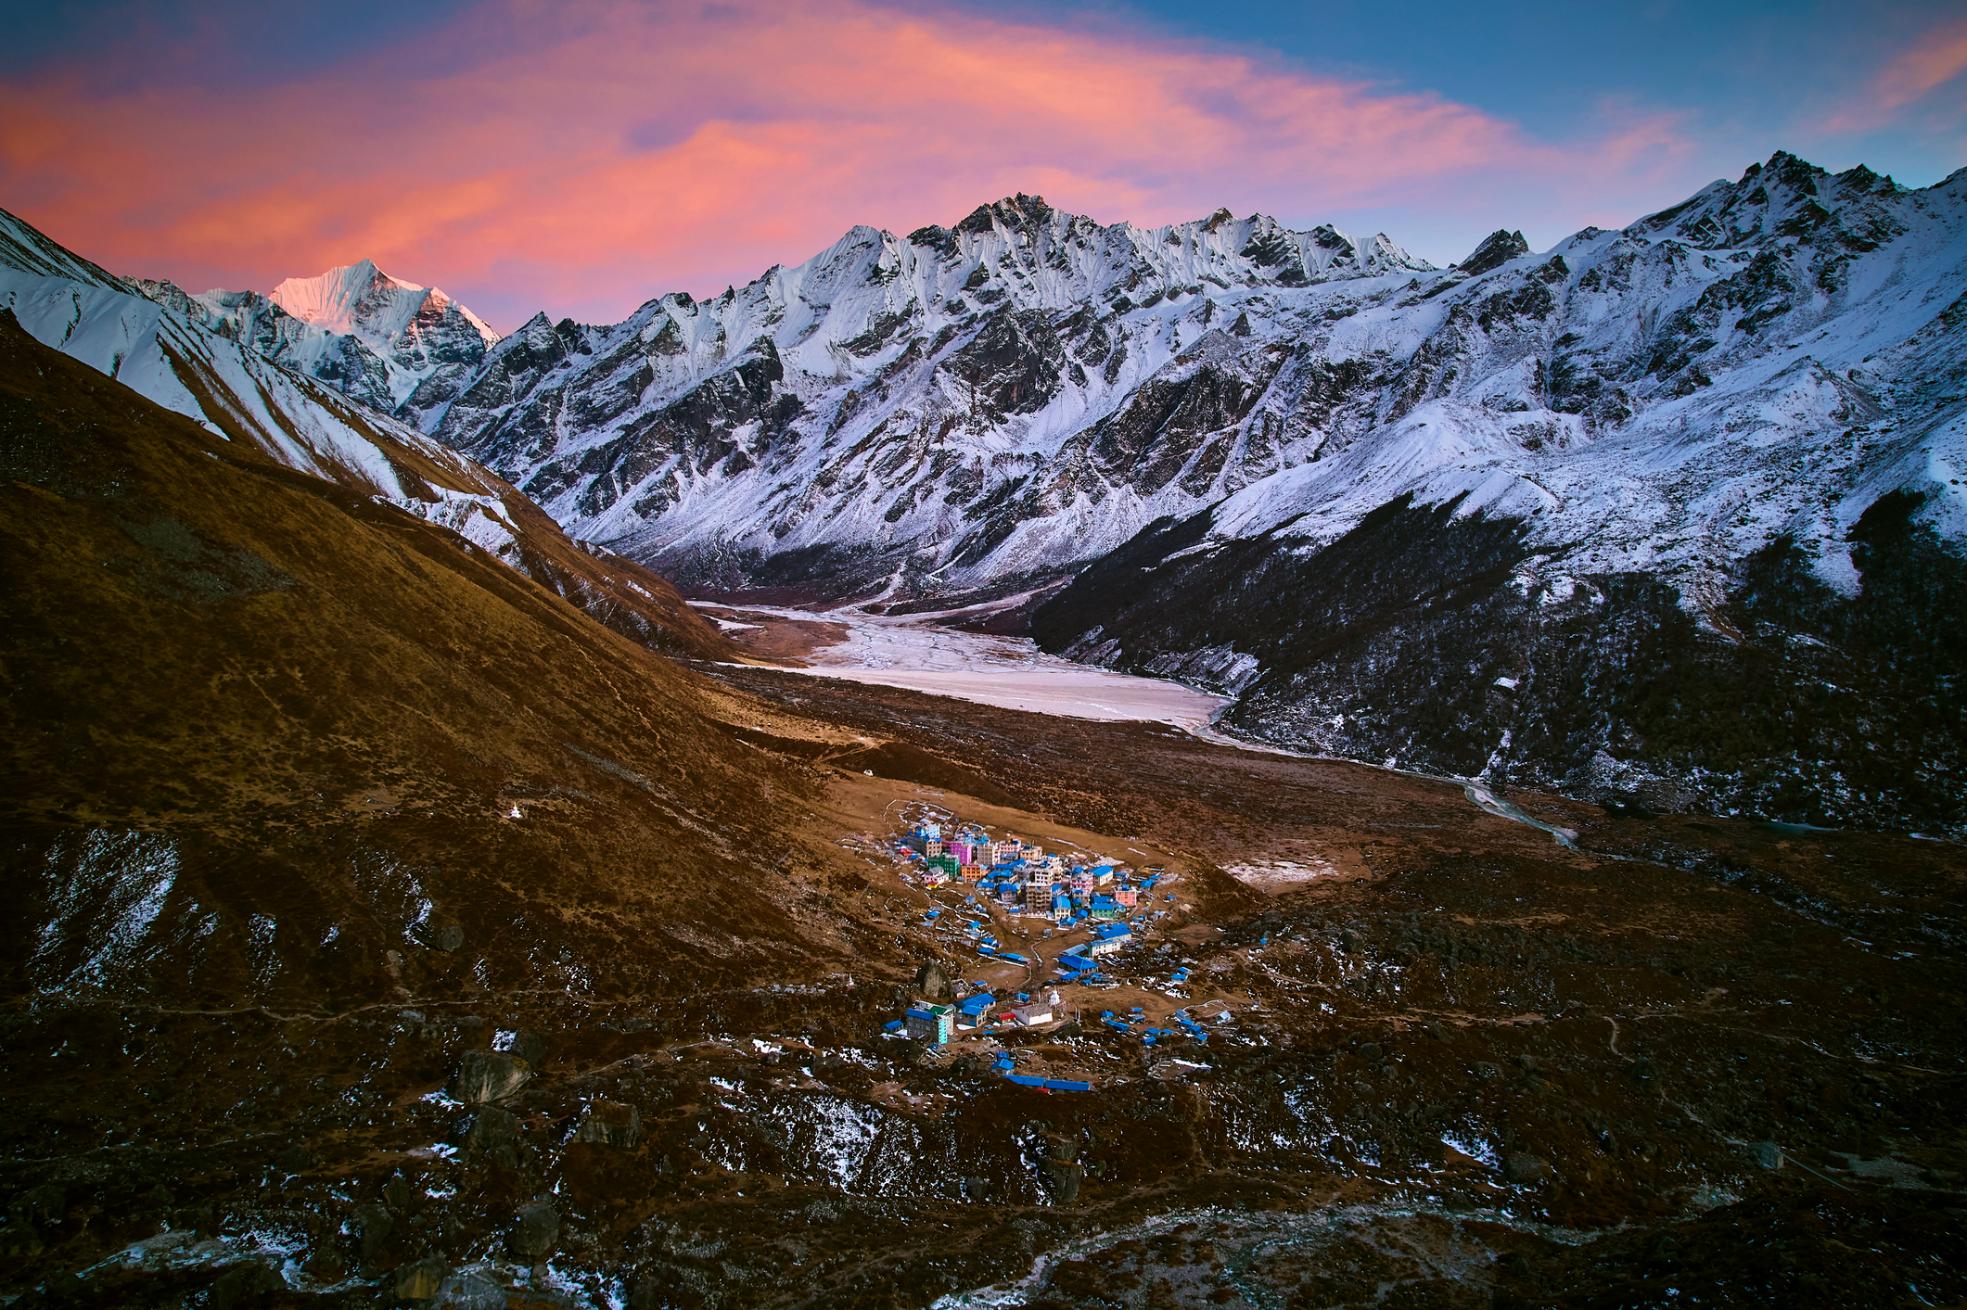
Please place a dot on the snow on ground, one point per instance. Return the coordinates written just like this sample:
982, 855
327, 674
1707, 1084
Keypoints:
1275, 875
1008, 672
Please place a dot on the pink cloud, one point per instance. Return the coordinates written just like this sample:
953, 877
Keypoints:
595, 155
1934, 58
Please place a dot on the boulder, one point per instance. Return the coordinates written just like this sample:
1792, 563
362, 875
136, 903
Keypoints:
375, 1229
420, 1279
530, 1047
494, 1138
326, 1263
1767, 1155
535, 1232
1060, 1170
247, 1284
1523, 1168
610, 1123
932, 982
472, 1289
490, 1076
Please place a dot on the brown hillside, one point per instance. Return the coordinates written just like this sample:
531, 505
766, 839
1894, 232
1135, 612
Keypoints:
308, 715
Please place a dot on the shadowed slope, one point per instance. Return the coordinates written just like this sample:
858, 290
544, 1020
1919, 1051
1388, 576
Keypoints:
264, 735
225, 381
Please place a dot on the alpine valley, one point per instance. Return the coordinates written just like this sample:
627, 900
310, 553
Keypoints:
1669, 517
1029, 764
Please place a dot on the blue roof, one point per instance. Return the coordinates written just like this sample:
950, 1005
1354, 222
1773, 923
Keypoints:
975, 1005
921, 1014
1074, 960
1108, 931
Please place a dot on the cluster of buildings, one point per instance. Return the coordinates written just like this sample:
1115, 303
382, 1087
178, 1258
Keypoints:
1023, 877
936, 1023
1064, 891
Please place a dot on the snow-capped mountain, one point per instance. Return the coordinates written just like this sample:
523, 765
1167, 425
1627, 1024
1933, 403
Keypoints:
172, 350
978, 400
1722, 445
393, 345
1767, 376
1024, 392
426, 340
1673, 513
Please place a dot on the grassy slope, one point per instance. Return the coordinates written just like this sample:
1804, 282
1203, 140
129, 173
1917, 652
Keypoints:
328, 706
627, 597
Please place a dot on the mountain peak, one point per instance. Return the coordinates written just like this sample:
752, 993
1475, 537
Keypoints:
1018, 210
1497, 249
361, 300
336, 299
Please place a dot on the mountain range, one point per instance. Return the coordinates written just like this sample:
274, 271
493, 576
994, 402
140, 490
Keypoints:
1621, 517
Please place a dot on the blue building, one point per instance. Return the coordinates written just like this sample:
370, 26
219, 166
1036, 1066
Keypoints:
1108, 938
928, 1023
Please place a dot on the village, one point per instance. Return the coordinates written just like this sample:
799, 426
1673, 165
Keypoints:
1068, 945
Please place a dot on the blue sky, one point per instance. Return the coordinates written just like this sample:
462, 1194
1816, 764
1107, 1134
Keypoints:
1749, 78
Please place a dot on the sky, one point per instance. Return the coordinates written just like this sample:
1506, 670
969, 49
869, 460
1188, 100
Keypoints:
582, 157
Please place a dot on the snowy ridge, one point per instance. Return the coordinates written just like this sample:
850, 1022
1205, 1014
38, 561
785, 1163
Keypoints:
684, 394
183, 365
390, 344
1027, 390
409, 326
237, 363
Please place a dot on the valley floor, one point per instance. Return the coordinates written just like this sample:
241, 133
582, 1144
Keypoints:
1674, 1061
1680, 1061
917, 653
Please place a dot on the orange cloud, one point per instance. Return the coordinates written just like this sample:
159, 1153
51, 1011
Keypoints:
595, 155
